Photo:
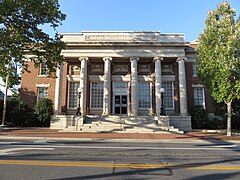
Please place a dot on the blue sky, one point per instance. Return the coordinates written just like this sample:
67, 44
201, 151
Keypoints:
166, 16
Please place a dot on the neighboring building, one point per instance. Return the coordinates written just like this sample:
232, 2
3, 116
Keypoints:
121, 73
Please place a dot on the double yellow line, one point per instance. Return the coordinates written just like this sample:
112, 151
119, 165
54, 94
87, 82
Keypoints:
110, 165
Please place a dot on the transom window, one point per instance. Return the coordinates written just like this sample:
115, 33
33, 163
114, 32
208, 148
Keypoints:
43, 69
168, 95
97, 95
199, 96
144, 96
42, 92
73, 94
120, 85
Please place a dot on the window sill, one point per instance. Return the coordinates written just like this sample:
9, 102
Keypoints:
42, 76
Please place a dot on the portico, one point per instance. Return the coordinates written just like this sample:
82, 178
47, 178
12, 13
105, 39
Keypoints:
121, 74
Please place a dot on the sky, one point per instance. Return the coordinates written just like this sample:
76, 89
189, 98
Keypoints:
166, 16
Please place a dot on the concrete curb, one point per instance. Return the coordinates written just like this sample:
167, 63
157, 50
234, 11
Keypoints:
115, 140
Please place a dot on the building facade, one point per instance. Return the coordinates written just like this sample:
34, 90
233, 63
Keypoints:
120, 73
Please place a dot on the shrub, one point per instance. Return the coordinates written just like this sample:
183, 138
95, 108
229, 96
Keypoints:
199, 117
18, 113
216, 123
44, 110
22, 115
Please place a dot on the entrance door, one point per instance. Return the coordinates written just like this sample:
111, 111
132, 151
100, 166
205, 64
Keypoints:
120, 104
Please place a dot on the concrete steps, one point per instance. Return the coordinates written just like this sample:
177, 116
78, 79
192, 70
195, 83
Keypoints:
118, 124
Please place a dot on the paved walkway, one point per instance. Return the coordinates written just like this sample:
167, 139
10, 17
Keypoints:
46, 133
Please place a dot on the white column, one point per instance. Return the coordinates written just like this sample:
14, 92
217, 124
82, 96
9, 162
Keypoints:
182, 86
158, 83
107, 86
58, 92
83, 84
134, 85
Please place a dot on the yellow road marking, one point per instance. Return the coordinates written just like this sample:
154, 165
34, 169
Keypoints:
110, 165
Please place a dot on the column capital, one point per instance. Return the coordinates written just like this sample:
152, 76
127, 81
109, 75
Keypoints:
107, 59
83, 59
134, 58
158, 58
181, 59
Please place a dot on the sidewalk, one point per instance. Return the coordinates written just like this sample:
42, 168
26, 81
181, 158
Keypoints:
48, 134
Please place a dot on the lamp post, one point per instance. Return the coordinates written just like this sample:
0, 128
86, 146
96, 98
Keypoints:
78, 102
162, 112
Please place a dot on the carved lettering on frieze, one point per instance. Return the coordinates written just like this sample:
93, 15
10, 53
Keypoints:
121, 38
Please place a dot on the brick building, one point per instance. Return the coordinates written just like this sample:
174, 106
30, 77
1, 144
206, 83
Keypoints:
121, 74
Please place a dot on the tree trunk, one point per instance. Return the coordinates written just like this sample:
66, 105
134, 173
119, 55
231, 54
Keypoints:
229, 111
5, 101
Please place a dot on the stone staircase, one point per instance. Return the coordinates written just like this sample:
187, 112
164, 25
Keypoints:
122, 124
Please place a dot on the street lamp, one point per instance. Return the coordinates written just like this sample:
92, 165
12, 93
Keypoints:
78, 102
162, 112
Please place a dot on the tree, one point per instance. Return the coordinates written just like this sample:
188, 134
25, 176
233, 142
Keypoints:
21, 33
218, 63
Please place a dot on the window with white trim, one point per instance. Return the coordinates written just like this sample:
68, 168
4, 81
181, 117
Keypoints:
42, 92
144, 96
168, 101
73, 94
198, 96
194, 69
96, 94
43, 69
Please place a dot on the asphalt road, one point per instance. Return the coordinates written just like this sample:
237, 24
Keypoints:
119, 160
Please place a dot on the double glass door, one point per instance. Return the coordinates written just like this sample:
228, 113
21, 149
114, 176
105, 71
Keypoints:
120, 104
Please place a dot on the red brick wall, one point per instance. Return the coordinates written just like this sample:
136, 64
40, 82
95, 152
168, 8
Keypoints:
30, 79
190, 96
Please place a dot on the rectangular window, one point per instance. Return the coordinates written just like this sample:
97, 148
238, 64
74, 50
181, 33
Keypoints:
168, 95
42, 92
73, 94
194, 69
144, 96
97, 95
43, 69
199, 96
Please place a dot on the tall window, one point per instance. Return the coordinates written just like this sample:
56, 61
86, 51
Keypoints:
199, 96
73, 94
42, 92
43, 69
97, 95
144, 96
168, 95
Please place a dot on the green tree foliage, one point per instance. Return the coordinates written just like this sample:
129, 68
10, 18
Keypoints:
218, 63
20, 32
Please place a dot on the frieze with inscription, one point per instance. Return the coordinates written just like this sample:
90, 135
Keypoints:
121, 38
